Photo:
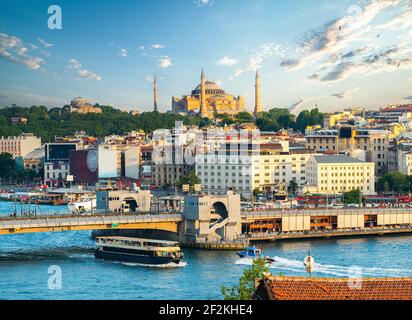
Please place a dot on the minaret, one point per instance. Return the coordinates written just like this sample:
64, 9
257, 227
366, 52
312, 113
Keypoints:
203, 110
155, 94
257, 95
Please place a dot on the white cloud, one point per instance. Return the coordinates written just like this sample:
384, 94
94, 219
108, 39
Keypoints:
142, 47
165, 62
123, 52
338, 34
80, 73
44, 43
204, 3
13, 49
339, 49
265, 51
157, 46
226, 61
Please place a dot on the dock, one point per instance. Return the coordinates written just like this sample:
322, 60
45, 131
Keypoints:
226, 245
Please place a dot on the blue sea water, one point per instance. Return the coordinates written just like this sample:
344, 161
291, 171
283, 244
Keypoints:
25, 261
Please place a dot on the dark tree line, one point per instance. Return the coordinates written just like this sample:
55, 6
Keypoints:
394, 183
49, 123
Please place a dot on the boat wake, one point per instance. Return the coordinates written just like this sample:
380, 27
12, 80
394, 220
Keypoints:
50, 253
296, 266
161, 266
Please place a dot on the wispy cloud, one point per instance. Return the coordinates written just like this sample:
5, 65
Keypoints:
157, 46
257, 56
294, 107
81, 73
337, 34
123, 52
165, 62
297, 106
344, 94
204, 3
227, 61
13, 49
409, 98
45, 43
337, 51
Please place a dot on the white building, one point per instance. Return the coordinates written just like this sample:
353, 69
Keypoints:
336, 174
245, 172
19, 146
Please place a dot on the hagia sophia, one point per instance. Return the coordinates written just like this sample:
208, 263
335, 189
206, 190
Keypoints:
207, 99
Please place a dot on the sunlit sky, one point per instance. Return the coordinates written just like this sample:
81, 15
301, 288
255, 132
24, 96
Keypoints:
324, 53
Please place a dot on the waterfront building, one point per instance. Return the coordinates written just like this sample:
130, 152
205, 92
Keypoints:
34, 160
83, 106
207, 99
123, 200
374, 142
391, 114
312, 288
19, 146
247, 167
57, 162
336, 174
346, 117
173, 154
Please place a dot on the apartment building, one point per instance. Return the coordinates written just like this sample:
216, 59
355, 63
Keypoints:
19, 146
266, 169
336, 174
374, 142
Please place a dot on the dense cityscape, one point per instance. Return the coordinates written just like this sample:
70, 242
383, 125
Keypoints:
258, 165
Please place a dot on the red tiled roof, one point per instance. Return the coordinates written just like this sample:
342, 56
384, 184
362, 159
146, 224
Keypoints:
306, 288
402, 108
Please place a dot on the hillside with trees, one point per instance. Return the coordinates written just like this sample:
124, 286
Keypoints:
48, 123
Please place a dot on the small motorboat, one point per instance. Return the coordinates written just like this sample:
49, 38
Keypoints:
250, 252
255, 253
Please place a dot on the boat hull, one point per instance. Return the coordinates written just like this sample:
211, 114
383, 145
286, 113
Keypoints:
134, 258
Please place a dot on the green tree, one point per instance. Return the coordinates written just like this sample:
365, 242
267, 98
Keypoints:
243, 117
353, 197
394, 182
293, 187
191, 179
7, 166
308, 118
246, 287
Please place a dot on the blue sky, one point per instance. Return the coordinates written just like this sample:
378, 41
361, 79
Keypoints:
324, 53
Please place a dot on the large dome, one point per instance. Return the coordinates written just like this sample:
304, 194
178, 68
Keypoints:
211, 88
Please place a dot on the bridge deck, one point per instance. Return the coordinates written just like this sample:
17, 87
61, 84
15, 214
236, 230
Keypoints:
13, 225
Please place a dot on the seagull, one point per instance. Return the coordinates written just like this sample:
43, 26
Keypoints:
340, 28
378, 36
399, 64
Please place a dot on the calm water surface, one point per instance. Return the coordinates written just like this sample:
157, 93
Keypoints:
25, 259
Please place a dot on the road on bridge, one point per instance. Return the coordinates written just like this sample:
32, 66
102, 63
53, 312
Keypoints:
16, 225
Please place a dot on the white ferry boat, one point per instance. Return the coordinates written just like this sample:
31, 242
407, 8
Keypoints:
137, 250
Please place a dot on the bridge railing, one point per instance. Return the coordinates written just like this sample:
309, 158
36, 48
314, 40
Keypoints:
52, 221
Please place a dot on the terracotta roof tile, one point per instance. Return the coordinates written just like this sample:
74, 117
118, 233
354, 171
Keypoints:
305, 288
